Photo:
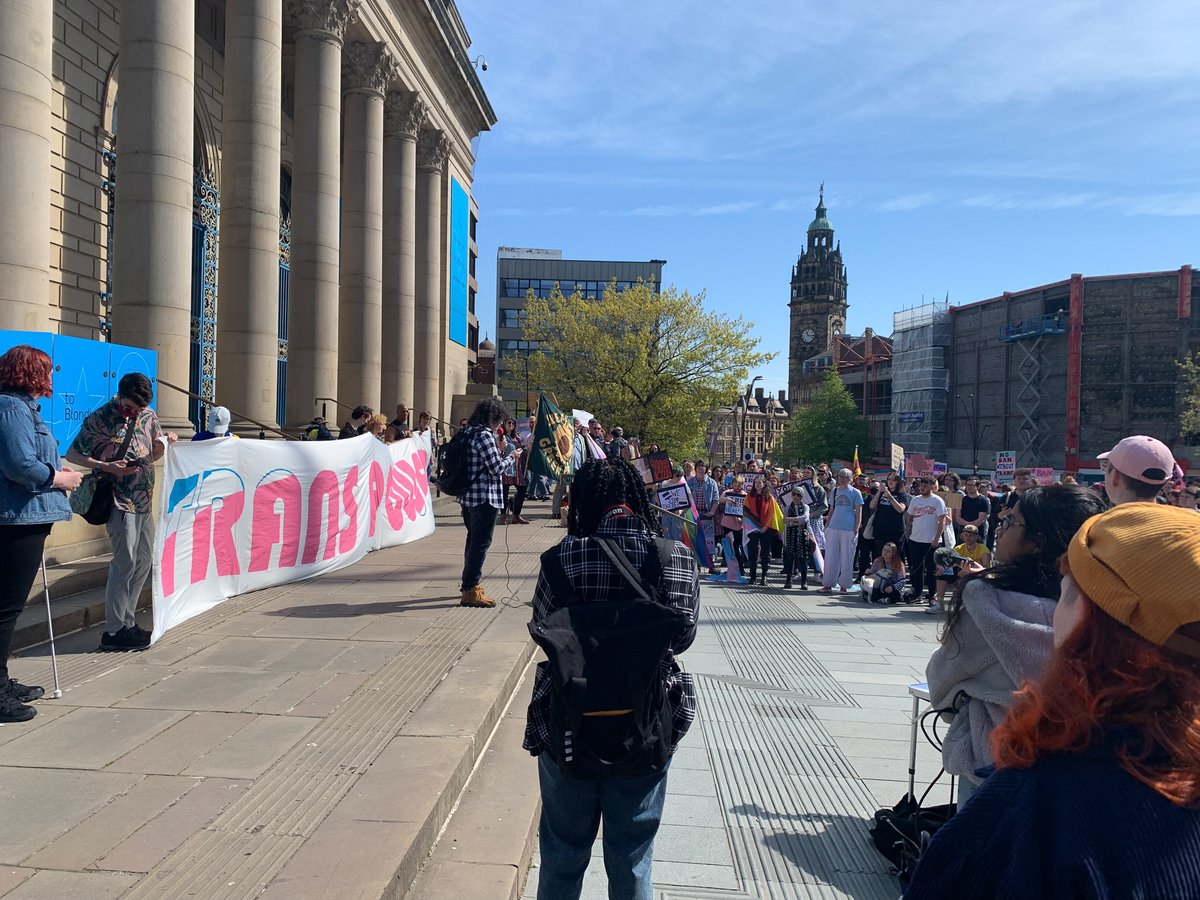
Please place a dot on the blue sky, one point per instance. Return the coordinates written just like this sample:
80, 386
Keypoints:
967, 148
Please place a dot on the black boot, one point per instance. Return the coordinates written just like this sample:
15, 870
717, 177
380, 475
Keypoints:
754, 575
787, 582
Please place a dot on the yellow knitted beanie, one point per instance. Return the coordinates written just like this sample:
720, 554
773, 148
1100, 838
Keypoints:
1140, 563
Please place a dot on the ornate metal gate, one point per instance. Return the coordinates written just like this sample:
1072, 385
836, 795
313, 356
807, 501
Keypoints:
206, 213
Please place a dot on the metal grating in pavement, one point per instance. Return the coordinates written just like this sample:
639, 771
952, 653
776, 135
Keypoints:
782, 609
763, 651
795, 809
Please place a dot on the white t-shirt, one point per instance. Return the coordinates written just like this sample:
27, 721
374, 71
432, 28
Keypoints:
925, 512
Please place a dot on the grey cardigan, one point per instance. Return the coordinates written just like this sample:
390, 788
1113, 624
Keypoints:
1002, 639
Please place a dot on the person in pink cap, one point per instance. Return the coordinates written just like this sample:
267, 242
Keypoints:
1136, 469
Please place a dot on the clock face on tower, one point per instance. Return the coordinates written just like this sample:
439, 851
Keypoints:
808, 335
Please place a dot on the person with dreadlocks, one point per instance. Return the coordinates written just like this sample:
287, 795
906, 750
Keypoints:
608, 501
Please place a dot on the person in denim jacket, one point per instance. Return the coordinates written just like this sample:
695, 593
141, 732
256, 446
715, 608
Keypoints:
33, 497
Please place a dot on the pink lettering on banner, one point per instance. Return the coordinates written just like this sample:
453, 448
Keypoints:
201, 535
375, 492
349, 535
224, 547
407, 490
166, 566
269, 527
323, 493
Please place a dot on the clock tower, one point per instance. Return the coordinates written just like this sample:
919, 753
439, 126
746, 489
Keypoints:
818, 302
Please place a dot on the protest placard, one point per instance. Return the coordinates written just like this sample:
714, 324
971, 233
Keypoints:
1042, 475
1006, 465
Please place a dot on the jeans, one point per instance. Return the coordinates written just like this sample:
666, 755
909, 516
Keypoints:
571, 812
21, 549
132, 539
920, 569
758, 551
481, 522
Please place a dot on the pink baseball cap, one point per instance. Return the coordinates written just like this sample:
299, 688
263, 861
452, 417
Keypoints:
1142, 457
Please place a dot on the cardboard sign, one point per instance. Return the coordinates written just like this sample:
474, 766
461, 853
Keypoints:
1006, 465
660, 466
897, 457
952, 499
917, 466
674, 497
735, 506
1042, 476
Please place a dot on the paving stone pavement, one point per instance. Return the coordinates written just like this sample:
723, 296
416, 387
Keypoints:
304, 741
803, 733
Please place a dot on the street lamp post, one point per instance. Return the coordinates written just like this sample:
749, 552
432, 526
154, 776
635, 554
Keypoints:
977, 433
745, 412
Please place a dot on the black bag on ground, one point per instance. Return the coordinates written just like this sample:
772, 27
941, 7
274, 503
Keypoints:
453, 475
902, 832
609, 711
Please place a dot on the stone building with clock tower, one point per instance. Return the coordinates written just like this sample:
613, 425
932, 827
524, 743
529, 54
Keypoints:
818, 302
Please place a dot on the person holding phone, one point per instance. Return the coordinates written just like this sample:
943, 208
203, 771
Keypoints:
971, 554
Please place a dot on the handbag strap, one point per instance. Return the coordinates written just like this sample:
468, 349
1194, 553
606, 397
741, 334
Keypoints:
618, 558
129, 424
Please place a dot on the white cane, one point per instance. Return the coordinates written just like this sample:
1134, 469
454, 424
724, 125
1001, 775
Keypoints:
50, 625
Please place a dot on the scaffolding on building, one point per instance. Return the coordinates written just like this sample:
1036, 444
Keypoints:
1030, 336
921, 378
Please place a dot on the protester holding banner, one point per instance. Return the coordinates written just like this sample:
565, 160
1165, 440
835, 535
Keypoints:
733, 504
126, 422
484, 496
33, 497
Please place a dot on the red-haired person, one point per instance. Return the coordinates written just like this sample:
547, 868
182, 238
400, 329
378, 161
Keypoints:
1097, 788
33, 486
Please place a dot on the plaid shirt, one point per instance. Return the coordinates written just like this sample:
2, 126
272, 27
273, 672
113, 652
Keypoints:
484, 466
594, 579
706, 493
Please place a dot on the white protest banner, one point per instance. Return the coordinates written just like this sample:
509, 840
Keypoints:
242, 515
1006, 465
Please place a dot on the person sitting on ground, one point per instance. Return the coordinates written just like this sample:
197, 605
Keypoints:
1097, 785
971, 549
358, 418
887, 575
218, 425
398, 429
376, 425
997, 629
609, 502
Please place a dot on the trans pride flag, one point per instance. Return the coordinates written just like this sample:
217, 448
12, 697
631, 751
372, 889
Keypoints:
676, 497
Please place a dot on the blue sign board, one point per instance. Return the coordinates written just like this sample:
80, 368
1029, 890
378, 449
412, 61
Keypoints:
85, 376
460, 235
910, 418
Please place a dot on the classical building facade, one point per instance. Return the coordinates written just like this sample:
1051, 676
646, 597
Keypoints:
752, 424
818, 299
274, 195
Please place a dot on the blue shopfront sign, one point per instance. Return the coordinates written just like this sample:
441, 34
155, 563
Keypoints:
910, 418
86, 374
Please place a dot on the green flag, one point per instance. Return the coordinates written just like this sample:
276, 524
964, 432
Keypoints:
553, 441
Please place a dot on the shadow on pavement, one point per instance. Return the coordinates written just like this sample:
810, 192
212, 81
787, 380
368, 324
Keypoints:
381, 608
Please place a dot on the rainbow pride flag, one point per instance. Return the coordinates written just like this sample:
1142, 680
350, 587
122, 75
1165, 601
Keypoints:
773, 518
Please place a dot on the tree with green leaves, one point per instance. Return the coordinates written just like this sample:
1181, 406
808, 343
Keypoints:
1189, 419
828, 428
655, 364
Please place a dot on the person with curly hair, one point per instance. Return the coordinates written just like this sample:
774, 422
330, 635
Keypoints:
33, 486
1096, 791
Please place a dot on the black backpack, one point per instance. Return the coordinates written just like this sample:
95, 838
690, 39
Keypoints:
609, 711
453, 464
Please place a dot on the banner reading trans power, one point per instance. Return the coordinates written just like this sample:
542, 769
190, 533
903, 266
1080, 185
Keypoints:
242, 515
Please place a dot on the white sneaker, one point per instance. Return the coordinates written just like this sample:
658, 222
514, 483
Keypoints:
933, 608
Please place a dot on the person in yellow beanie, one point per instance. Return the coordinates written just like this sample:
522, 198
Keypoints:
1097, 785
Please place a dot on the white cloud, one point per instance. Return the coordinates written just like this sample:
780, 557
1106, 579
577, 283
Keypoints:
908, 202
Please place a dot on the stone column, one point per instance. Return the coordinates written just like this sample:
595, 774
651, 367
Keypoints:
366, 70
26, 45
432, 149
248, 325
404, 112
152, 240
316, 201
